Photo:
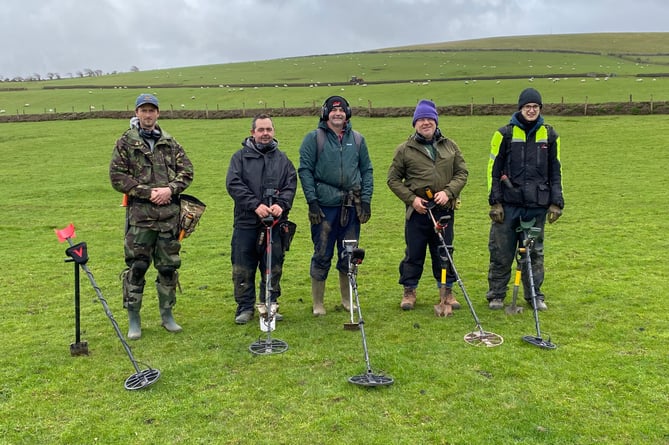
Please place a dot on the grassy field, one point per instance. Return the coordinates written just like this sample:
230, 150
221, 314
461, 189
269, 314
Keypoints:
605, 383
593, 68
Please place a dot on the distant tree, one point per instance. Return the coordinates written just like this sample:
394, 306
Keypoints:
80, 74
98, 72
88, 72
50, 76
36, 76
58, 75
134, 69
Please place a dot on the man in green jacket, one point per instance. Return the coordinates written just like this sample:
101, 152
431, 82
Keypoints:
427, 169
151, 168
337, 179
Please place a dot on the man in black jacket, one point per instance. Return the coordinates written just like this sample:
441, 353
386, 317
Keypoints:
525, 183
262, 182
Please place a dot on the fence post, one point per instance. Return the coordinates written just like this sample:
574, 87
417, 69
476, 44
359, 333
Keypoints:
585, 108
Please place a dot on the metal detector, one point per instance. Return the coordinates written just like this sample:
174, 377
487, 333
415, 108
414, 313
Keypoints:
268, 310
354, 257
530, 235
349, 246
479, 336
79, 254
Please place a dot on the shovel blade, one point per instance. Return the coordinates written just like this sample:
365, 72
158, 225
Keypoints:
513, 310
443, 310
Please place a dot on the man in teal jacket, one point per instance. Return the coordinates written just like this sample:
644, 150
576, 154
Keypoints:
337, 179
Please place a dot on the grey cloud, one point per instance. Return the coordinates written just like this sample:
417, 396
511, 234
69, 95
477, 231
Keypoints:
66, 36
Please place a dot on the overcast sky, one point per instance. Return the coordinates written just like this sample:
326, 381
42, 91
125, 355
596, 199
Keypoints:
66, 36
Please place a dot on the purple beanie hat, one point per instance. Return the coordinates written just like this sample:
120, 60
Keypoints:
425, 108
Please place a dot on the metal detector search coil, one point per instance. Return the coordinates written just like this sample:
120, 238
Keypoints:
78, 254
479, 336
354, 256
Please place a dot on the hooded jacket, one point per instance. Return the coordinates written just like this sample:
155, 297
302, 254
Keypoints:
135, 169
530, 159
412, 170
329, 175
255, 177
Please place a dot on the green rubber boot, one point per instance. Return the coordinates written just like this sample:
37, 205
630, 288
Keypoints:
168, 320
134, 325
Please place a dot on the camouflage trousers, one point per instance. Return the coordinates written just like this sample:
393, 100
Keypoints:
503, 241
142, 247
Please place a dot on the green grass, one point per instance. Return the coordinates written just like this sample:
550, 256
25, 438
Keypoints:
570, 91
477, 71
605, 383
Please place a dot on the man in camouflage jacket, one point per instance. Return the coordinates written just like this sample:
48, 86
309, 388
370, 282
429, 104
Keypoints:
151, 168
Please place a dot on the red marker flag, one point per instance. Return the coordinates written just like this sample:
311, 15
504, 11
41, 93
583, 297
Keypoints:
66, 233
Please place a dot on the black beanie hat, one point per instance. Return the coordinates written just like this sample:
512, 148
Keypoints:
332, 102
529, 96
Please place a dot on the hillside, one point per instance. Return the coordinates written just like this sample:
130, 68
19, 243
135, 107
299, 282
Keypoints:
651, 43
476, 76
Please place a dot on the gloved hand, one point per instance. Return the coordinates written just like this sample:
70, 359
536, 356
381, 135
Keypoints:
316, 215
365, 212
554, 212
497, 213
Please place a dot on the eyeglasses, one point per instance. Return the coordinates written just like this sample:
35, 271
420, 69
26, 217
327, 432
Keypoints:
529, 107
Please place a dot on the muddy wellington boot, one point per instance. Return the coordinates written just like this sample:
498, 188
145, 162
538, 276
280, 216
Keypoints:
134, 325
167, 296
345, 290
318, 295
168, 320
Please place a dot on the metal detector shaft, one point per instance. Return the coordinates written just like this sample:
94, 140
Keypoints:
101, 297
268, 319
489, 339
78, 254
449, 258
530, 276
528, 243
354, 256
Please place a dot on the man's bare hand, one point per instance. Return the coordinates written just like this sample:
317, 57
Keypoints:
161, 195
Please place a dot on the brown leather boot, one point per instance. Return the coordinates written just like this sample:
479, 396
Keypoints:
409, 299
446, 297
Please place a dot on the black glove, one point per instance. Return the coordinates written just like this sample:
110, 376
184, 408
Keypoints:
554, 212
316, 215
365, 212
497, 213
